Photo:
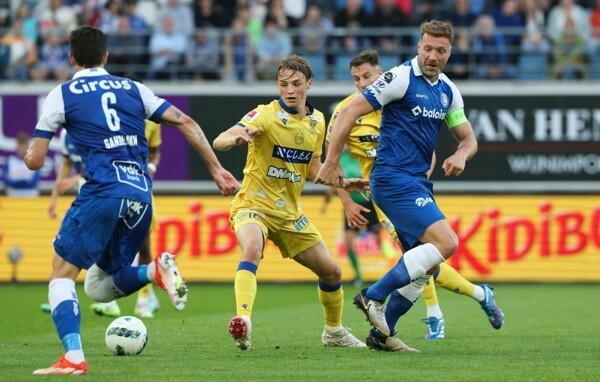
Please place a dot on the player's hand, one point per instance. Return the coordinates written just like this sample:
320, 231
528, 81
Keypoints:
226, 182
330, 174
52, 209
454, 165
354, 214
357, 185
246, 135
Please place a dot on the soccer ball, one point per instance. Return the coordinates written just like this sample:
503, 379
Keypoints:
126, 335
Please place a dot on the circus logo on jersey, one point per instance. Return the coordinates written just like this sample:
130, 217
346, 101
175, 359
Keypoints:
291, 155
444, 99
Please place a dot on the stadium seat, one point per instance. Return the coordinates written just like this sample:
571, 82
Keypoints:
319, 66
388, 61
341, 68
533, 66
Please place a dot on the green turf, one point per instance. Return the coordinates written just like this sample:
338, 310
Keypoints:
550, 334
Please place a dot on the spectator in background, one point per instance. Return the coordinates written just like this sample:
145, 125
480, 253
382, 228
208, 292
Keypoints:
238, 52
109, 17
137, 24
489, 50
176, 11
30, 23
127, 49
569, 58
53, 62
277, 12
352, 16
595, 26
17, 178
56, 15
209, 14
273, 46
534, 39
314, 30
459, 15
458, 65
167, 48
388, 15
295, 11
568, 10
5, 20
426, 10
511, 23
21, 52
203, 58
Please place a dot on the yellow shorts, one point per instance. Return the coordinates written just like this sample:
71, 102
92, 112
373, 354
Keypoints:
291, 236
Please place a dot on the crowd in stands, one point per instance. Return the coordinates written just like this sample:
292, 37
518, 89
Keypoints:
243, 40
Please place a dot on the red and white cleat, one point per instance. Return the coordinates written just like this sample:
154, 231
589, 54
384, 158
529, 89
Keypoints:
240, 329
64, 367
167, 277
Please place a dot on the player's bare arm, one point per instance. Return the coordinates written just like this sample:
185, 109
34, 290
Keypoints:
36, 154
431, 166
351, 184
226, 182
454, 165
353, 210
234, 136
331, 173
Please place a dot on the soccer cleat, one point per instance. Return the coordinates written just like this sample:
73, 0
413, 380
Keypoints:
493, 312
153, 303
436, 328
108, 309
167, 277
142, 309
64, 367
45, 307
374, 310
341, 338
240, 328
377, 341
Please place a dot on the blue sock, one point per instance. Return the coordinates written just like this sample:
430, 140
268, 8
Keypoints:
131, 279
395, 278
396, 307
67, 319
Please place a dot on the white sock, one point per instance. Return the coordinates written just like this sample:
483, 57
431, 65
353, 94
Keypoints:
421, 259
333, 329
75, 356
60, 290
413, 291
136, 260
478, 293
150, 271
434, 311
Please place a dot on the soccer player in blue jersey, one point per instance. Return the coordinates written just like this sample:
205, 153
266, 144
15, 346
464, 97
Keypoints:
108, 221
416, 99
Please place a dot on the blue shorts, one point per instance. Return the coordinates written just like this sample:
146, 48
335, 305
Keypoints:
106, 232
408, 202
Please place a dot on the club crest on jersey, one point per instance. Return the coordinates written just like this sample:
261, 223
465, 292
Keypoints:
444, 99
283, 116
314, 120
251, 115
299, 138
291, 155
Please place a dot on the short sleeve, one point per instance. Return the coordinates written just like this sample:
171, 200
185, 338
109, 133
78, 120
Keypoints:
457, 100
52, 115
154, 106
390, 86
322, 134
254, 119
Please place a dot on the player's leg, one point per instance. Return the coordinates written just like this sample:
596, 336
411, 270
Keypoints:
331, 294
435, 319
250, 231
147, 302
449, 278
350, 235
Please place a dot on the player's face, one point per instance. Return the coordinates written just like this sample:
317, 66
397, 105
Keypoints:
293, 88
364, 75
434, 53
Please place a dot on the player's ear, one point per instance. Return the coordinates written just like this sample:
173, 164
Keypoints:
72, 59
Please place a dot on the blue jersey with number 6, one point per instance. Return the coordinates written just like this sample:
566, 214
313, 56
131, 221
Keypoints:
104, 115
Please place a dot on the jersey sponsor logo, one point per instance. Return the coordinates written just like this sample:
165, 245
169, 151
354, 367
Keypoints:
301, 223
428, 113
380, 84
291, 155
444, 99
368, 138
84, 86
422, 202
130, 173
133, 213
424, 96
282, 173
120, 140
388, 77
251, 115
283, 116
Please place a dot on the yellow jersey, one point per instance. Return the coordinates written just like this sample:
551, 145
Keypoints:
278, 158
152, 132
363, 139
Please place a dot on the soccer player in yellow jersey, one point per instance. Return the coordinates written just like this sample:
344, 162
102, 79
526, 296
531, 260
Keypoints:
285, 139
362, 143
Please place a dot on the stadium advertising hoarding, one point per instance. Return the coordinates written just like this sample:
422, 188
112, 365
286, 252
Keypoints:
502, 238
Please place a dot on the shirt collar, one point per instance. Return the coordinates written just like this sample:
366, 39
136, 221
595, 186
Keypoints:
285, 107
90, 72
418, 72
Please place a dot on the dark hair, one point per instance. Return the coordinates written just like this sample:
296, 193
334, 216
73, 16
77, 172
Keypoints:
88, 46
297, 64
438, 28
369, 56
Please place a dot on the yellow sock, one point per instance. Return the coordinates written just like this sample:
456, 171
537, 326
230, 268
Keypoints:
145, 291
429, 293
245, 292
450, 279
333, 305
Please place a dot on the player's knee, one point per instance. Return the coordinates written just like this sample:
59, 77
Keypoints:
252, 251
98, 285
448, 246
332, 274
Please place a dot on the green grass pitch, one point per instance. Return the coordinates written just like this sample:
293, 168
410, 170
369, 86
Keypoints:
550, 334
